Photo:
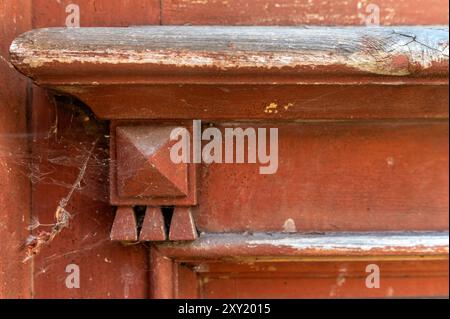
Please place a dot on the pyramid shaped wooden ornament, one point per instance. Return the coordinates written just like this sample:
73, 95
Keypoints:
142, 172
144, 167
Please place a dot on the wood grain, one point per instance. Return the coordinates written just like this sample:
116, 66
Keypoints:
250, 102
371, 175
108, 269
162, 276
222, 54
329, 265
332, 279
311, 246
62, 139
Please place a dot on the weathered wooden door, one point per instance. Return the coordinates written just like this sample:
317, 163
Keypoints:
347, 192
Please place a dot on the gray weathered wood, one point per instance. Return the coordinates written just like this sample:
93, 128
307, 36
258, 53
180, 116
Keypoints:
419, 244
392, 51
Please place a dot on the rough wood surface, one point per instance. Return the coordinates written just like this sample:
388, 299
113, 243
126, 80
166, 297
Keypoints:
350, 245
110, 270
162, 275
182, 226
62, 139
153, 228
217, 54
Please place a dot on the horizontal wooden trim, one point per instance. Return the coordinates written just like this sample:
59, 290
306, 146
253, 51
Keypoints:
219, 54
281, 245
250, 102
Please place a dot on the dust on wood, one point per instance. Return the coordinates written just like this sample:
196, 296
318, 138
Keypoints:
35, 243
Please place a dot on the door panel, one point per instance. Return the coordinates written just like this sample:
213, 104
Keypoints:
334, 176
357, 152
327, 279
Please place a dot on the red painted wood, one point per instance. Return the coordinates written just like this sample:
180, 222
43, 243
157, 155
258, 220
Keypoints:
161, 275
299, 83
186, 282
15, 193
301, 12
124, 227
250, 102
334, 177
182, 225
108, 269
153, 227
409, 160
199, 275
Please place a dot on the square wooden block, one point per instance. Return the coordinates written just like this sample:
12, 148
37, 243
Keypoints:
141, 170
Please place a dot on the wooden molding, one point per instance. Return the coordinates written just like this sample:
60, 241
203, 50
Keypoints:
208, 54
145, 76
249, 68
327, 245
124, 227
413, 263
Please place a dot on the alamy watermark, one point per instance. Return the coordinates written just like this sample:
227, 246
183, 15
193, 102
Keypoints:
373, 278
370, 16
233, 139
73, 19
73, 277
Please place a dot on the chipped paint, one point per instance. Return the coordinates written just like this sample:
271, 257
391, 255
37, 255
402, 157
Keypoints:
299, 245
381, 50
288, 106
390, 160
271, 108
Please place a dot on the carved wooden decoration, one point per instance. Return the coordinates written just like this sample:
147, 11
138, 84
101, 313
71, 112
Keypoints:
144, 168
124, 227
362, 116
182, 227
143, 172
153, 226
